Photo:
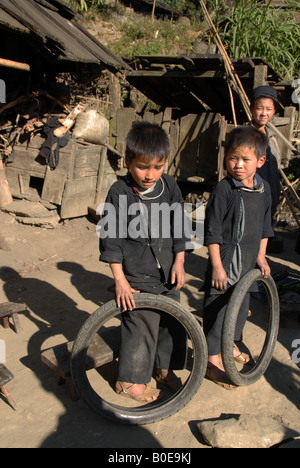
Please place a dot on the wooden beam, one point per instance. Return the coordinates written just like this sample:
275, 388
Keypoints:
16, 65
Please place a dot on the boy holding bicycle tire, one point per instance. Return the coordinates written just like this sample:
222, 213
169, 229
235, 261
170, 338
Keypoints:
146, 256
237, 227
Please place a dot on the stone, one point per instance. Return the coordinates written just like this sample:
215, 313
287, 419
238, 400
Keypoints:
3, 244
33, 214
26, 209
244, 431
48, 223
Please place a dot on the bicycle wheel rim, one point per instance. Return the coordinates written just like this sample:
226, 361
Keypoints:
259, 368
159, 410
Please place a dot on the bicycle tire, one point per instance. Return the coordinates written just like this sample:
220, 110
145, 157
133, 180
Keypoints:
154, 412
229, 325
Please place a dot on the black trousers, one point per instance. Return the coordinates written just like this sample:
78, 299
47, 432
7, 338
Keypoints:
213, 316
151, 339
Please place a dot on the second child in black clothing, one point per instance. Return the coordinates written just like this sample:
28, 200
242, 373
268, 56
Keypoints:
146, 256
237, 228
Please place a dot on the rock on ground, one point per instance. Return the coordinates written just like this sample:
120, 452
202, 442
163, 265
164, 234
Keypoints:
244, 431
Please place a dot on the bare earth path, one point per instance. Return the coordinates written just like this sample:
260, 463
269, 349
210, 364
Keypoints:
56, 273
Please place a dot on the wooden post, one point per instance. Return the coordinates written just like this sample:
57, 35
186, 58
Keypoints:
5, 195
16, 65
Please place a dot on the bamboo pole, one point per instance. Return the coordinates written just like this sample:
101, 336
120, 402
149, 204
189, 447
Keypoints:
16, 65
290, 205
238, 87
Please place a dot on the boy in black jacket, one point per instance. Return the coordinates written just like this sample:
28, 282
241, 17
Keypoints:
237, 228
146, 255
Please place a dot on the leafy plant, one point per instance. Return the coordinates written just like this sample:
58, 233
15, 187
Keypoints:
84, 5
267, 32
142, 36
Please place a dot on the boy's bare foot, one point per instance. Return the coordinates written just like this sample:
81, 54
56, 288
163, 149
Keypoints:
139, 392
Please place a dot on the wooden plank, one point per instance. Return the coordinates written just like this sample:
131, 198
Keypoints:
125, 117
5, 194
208, 155
260, 75
54, 185
102, 350
285, 152
100, 194
9, 308
87, 161
190, 128
221, 151
78, 195
26, 160
174, 155
5, 375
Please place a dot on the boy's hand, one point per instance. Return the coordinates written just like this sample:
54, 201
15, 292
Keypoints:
178, 272
124, 292
261, 259
219, 278
124, 295
263, 266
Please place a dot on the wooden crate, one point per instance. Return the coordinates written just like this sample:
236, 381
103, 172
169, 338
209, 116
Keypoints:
81, 179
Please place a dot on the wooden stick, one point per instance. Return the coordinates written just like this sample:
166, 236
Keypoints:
290, 205
5, 195
290, 187
232, 105
8, 397
245, 101
283, 138
238, 87
17, 65
69, 121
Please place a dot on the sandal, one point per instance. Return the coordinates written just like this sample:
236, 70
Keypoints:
242, 358
222, 381
149, 394
166, 377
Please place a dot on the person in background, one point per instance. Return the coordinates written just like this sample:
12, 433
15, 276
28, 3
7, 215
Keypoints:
264, 102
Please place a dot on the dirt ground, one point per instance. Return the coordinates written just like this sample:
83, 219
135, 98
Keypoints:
56, 273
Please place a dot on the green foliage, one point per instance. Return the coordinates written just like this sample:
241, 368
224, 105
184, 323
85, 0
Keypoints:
142, 36
266, 32
248, 29
191, 8
84, 5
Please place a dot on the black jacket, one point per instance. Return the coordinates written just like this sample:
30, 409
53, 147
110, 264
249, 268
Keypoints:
228, 203
148, 257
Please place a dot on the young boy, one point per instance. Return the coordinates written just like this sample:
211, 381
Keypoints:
263, 107
237, 228
147, 258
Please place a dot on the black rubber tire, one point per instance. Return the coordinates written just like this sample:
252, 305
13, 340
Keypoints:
259, 368
158, 410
